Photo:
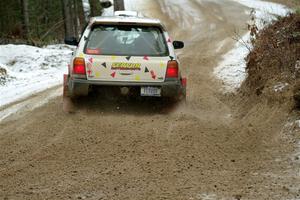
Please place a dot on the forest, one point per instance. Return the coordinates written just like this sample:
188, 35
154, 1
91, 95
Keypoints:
39, 22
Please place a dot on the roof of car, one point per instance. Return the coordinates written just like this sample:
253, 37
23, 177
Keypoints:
125, 19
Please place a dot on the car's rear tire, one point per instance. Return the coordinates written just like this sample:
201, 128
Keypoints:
183, 89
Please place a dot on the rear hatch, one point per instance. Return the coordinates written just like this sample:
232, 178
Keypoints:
129, 69
130, 53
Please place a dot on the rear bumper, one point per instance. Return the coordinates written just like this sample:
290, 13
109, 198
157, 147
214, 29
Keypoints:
169, 88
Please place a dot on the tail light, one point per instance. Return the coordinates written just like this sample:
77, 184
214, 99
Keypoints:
79, 66
172, 69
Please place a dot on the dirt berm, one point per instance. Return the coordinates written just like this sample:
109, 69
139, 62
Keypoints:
274, 64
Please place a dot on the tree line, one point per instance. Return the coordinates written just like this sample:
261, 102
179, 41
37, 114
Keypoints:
46, 21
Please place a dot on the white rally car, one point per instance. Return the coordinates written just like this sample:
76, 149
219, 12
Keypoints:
126, 51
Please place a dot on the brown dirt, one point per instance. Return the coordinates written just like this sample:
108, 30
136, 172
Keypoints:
113, 148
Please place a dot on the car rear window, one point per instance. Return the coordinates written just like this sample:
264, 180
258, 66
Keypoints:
126, 40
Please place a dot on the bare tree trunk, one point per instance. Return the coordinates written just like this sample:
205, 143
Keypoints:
25, 18
72, 12
75, 18
96, 9
119, 5
81, 14
68, 22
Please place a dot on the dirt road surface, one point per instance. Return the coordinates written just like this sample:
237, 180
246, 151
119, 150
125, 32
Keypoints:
210, 148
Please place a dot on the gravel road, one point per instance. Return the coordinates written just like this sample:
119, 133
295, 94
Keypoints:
119, 149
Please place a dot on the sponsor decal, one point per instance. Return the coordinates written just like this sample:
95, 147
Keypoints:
126, 66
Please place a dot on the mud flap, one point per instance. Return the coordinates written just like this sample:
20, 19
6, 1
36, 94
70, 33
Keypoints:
68, 105
180, 96
183, 89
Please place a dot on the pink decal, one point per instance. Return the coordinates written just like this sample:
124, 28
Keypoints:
89, 66
146, 58
153, 74
91, 60
113, 74
89, 72
169, 40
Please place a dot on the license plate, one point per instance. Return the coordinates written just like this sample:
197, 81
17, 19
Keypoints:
151, 91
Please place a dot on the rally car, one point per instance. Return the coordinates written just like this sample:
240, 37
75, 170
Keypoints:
126, 51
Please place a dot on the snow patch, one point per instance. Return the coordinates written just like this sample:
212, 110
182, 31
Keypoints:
280, 87
208, 196
86, 9
265, 7
130, 5
232, 69
297, 122
31, 69
29, 104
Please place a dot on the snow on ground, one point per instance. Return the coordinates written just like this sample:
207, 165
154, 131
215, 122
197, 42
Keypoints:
18, 109
31, 69
279, 87
232, 69
265, 7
